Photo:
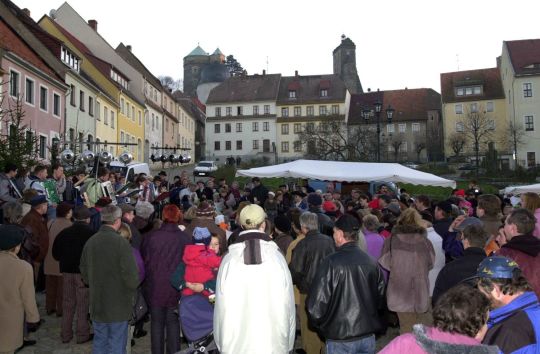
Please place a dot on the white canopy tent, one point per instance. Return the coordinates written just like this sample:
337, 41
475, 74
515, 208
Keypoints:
535, 188
348, 172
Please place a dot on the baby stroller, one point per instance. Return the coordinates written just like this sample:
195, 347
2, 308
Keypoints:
197, 321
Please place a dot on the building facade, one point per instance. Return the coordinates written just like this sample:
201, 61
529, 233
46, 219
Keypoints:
241, 118
519, 66
309, 103
474, 98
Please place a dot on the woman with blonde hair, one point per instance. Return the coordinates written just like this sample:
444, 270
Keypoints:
408, 255
531, 202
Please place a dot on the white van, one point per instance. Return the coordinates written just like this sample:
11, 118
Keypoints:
130, 170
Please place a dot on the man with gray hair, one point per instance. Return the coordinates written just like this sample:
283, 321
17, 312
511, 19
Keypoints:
108, 267
254, 311
306, 257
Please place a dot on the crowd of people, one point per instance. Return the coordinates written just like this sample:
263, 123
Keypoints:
454, 275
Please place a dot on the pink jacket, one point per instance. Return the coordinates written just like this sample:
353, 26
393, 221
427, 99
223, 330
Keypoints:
432, 337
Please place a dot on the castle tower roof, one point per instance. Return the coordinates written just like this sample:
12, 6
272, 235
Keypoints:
197, 51
217, 52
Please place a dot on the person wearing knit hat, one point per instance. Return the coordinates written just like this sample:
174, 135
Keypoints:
205, 210
16, 290
201, 261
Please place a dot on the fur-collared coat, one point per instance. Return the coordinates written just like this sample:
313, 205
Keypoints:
408, 255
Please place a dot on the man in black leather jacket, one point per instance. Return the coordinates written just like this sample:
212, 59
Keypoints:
306, 258
346, 293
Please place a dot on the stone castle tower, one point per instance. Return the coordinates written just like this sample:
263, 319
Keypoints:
194, 65
345, 65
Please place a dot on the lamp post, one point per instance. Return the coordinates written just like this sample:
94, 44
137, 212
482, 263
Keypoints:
366, 113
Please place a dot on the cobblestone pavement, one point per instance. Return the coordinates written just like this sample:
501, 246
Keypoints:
49, 342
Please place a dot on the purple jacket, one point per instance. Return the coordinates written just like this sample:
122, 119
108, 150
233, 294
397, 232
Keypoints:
140, 263
161, 251
374, 243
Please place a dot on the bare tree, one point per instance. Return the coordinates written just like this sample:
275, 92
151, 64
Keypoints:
457, 143
419, 147
396, 144
478, 128
170, 83
516, 133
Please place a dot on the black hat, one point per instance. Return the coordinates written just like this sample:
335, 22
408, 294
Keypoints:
10, 236
445, 206
347, 223
37, 200
282, 223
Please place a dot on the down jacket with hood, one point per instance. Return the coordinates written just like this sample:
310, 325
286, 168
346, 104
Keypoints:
525, 250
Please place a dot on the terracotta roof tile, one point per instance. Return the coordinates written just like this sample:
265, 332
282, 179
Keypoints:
525, 56
246, 89
308, 89
490, 79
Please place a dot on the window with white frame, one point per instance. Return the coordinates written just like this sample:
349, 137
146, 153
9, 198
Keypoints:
72, 97
324, 93
98, 110
81, 100
217, 128
284, 146
29, 90
112, 119
335, 109
285, 129
310, 111
217, 145
323, 111
266, 126
297, 111
105, 115
56, 104
42, 146
297, 128
527, 89
490, 107
228, 111
459, 127
390, 128
402, 128
140, 117
255, 144
529, 123
238, 144
292, 94
91, 106
415, 127
227, 127
133, 113
122, 106
284, 111
238, 127
297, 146
255, 110
43, 98
474, 107
218, 111
266, 109
255, 126
14, 84
458, 108
228, 145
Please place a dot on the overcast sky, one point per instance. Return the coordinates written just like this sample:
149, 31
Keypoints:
398, 43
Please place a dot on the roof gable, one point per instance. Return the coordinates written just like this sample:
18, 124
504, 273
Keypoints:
525, 56
132, 60
489, 79
308, 89
246, 89
197, 51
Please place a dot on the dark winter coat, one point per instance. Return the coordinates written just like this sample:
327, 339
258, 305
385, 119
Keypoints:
69, 244
458, 270
161, 251
525, 250
40, 233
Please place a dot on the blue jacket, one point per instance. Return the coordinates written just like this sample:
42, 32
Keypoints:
515, 328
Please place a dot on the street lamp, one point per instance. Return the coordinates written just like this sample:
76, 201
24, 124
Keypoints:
366, 113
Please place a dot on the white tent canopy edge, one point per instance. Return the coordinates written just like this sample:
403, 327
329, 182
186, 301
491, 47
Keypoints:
348, 172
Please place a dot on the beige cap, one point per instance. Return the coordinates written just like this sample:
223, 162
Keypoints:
252, 216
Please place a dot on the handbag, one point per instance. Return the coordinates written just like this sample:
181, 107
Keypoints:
140, 308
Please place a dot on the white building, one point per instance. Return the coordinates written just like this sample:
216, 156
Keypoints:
241, 118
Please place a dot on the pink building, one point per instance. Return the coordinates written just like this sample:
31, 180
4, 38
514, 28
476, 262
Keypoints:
28, 79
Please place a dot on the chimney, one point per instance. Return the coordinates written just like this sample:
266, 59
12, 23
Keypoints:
26, 12
296, 73
93, 24
128, 47
264, 72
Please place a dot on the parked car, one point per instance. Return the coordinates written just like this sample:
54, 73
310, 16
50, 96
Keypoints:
205, 168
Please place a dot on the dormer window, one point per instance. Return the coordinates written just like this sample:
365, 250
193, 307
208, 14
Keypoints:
324, 92
119, 79
70, 59
469, 91
292, 93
